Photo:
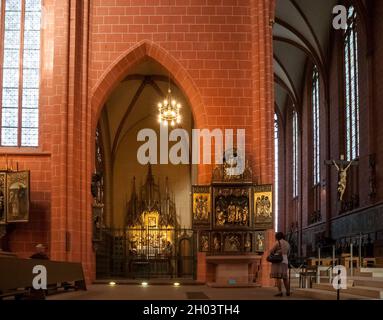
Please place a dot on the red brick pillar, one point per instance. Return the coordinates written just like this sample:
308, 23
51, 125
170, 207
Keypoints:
265, 280
262, 15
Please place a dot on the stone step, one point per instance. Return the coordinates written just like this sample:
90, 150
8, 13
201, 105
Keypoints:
375, 272
326, 280
317, 294
368, 292
363, 274
371, 270
369, 282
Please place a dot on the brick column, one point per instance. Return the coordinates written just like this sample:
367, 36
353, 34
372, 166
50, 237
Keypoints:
262, 12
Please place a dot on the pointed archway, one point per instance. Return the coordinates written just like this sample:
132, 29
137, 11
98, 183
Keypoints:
120, 68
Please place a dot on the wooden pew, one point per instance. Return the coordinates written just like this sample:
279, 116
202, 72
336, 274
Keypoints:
16, 275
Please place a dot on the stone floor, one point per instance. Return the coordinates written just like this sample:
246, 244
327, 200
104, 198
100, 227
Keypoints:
169, 292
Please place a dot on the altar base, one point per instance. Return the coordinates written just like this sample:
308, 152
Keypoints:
233, 271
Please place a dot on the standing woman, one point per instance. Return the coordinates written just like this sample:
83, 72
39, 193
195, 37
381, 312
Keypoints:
279, 270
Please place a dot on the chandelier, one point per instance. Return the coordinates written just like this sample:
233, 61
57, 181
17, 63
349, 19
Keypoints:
169, 110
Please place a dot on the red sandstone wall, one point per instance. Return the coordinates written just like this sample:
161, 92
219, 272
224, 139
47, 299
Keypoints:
219, 52
23, 237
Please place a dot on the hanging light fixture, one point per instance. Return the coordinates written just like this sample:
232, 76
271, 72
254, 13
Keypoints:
169, 110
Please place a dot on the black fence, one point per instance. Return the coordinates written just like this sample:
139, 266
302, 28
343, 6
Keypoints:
145, 253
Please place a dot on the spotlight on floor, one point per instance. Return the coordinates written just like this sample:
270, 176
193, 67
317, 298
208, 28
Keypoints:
112, 283
144, 284
177, 284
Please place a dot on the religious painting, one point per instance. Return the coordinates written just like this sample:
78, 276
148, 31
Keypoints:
217, 242
260, 241
18, 197
232, 242
231, 207
204, 241
3, 184
201, 206
263, 209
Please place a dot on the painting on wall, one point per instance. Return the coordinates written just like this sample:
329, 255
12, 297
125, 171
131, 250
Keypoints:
231, 207
3, 185
201, 206
18, 197
263, 207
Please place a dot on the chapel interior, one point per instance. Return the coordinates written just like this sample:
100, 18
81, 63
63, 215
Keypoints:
98, 97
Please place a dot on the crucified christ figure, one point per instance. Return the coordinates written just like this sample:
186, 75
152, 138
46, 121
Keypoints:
342, 183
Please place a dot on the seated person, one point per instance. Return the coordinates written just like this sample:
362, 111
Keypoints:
40, 253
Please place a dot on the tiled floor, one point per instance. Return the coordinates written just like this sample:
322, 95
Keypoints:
168, 292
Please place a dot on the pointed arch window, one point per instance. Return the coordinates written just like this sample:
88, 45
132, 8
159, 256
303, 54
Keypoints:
20, 72
351, 67
316, 125
276, 170
295, 154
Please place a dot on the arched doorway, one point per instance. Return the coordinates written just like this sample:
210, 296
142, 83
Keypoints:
132, 239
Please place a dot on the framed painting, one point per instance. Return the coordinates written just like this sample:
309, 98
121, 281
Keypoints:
18, 196
201, 200
263, 207
231, 207
3, 201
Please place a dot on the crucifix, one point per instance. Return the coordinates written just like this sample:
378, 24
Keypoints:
342, 167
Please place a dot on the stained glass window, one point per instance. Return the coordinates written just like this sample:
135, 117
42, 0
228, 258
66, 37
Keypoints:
276, 168
351, 66
20, 72
295, 154
316, 131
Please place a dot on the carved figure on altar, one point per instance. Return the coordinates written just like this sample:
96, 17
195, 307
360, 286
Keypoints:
204, 243
216, 244
248, 243
231, 213
221, 220
232, 243
231, 207
245, 215
260, 242
201, 208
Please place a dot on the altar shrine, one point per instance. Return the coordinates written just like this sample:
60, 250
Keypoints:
231, 217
